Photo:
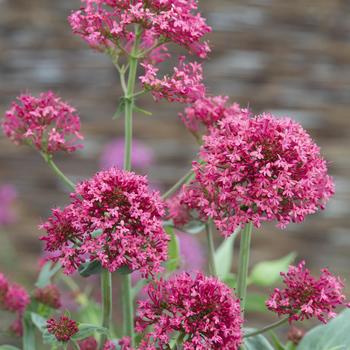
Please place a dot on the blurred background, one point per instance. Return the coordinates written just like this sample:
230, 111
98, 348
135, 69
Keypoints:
287, 57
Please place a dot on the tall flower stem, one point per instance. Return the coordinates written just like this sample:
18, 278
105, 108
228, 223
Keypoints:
49, 161
106, 290
267, 328
128, 306
211, 249
244, 253
186, 178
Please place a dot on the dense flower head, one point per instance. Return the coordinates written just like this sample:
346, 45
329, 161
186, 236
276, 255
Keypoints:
185, 85
207, 111
7, 196
46, 122
16, 298
49, 295
88, 344
105, 25
257, 169
114, 219
109, 345
202, 308
16, 326
305, 297
113, 155
63, 329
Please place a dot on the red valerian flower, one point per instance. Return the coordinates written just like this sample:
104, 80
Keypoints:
109, 345
114, 219
207, 111
185, 85
63, 329
105, 25
202, 309
46, 122
88, 344
49, 295
305, 296
257, 169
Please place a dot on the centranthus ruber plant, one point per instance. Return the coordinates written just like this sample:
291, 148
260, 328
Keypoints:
250, 169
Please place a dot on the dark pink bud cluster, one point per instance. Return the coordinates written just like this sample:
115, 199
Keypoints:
258, 169
63, 329
109, 345
185, 85
49, 295
115, 219
88, 344
207, 111
13, 298
46, 122
202, 309
106, 24
305, 296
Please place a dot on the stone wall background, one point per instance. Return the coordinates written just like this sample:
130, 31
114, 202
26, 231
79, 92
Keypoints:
288, 57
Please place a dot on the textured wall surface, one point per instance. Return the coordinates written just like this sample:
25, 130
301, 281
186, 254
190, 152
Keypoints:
288, 57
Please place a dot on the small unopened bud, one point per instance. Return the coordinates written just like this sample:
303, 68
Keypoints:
295, 335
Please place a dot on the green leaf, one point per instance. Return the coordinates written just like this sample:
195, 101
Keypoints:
41, 325
276, 342
90, 268
120, 109
28, 333
231, 280
333, 336
173, 250
255, 303
46, 274
259, 342
8, 347
224, 256
86, 330
141, 110
267, 273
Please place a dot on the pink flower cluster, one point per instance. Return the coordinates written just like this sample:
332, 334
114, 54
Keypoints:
13, 298
185, 85
7, 197
207, 111
46, 122
49, 295
63, 329
202, 309
305, 297
115, 219
88, 344
106, 24
257, 169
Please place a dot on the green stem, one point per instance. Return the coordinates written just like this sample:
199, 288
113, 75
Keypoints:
244, 253
75, 345
57, 171
211, 248
128, 307
267, 328
106, 290
130, 100
174, 188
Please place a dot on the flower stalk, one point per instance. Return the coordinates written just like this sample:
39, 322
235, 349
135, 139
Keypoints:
267, 328
211, 248
244, 254
106, 289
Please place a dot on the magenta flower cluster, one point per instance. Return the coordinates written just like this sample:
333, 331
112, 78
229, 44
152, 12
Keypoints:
45, 122
202, 309
207, 111
49, 295
105, 24
63, 328
305, 297
13, 298
257, 169
185, 85
115, 219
